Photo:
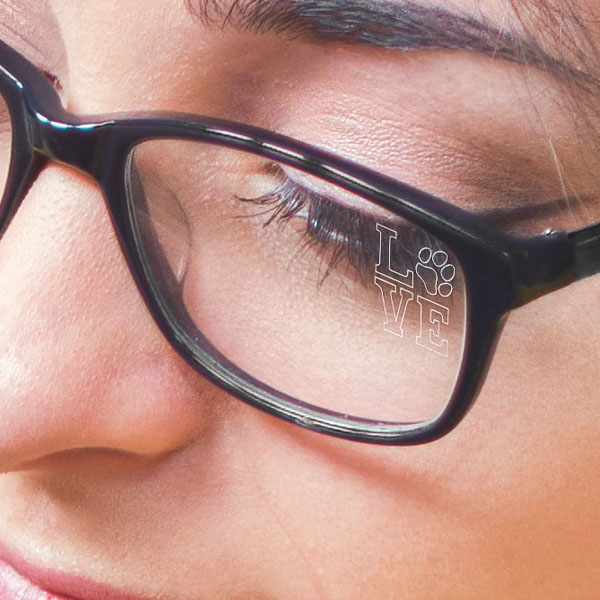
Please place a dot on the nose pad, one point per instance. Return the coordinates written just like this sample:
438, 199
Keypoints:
82, 364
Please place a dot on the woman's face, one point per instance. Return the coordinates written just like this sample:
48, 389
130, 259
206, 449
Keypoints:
127, 473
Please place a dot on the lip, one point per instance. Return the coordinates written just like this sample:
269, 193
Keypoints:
14, 586
21, 579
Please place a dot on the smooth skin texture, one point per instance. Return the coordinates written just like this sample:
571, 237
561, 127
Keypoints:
124, 466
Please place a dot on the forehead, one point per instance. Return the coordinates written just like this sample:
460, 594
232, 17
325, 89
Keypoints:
555, 28
132, 41
36, 19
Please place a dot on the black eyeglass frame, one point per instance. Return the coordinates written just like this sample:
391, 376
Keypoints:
501, 272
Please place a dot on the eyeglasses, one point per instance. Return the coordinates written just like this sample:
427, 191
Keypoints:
320, 291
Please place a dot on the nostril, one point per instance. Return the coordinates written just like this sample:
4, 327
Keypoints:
91, 462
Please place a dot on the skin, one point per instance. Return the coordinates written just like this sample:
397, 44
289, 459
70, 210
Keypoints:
124, 466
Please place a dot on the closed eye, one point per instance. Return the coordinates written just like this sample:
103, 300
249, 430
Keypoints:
340, 234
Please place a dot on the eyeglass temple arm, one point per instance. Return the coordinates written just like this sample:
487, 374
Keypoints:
586, 242
548, 262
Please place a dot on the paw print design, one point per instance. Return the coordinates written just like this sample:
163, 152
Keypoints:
436, 273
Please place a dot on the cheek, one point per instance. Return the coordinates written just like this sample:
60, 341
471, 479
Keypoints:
464, 516
544, 368
507, 502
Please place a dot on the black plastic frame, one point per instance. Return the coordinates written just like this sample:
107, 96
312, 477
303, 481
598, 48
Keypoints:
501, 272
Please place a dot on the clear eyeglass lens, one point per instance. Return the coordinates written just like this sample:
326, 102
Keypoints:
309, 289
5, 144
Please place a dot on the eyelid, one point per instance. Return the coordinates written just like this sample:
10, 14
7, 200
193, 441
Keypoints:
312, 195
334, 194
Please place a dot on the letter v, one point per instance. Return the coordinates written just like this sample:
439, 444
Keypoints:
395, 301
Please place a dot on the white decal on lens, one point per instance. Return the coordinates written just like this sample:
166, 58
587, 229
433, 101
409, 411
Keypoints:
435, 275
434, 319
384, 266
395, 302
435, 272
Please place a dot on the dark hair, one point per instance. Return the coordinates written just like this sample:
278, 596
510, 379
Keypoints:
564, 34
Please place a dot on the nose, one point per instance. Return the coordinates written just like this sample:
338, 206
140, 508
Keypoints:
82, 364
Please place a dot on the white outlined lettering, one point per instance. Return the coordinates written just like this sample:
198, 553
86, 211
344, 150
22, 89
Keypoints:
435, 276
395, 302
433, 323
384, 266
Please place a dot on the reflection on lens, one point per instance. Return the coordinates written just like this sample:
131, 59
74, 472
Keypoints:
310, 289
5, 144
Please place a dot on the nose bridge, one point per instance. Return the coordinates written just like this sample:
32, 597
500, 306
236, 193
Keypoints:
48, 133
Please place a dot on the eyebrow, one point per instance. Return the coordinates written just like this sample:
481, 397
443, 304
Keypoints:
404, 26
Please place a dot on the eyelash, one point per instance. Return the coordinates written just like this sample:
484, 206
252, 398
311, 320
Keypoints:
350, 235
346, 233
